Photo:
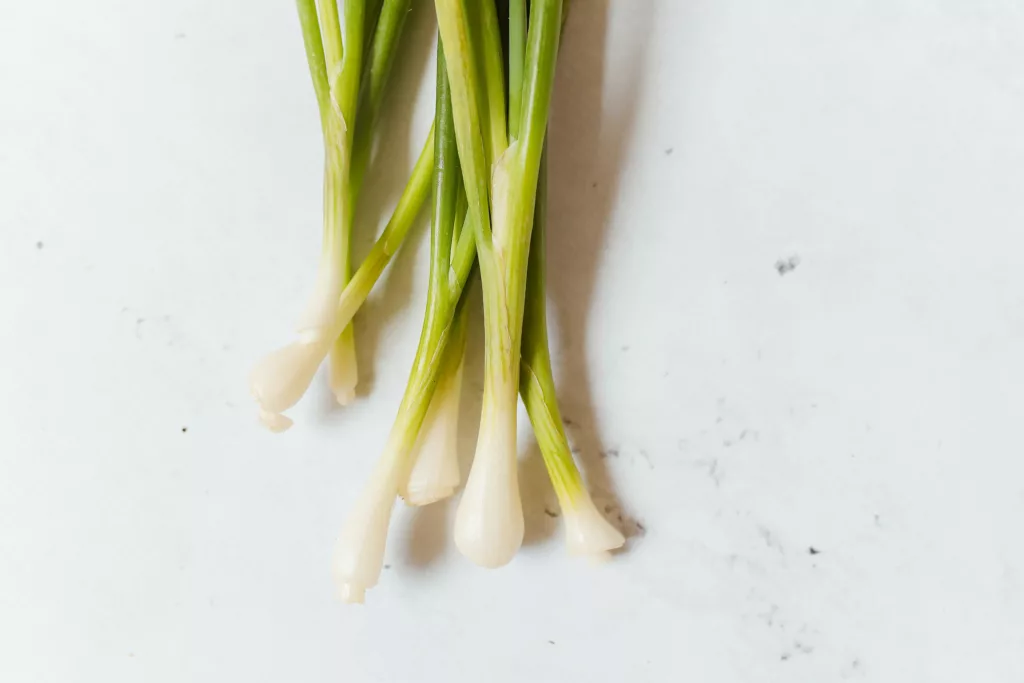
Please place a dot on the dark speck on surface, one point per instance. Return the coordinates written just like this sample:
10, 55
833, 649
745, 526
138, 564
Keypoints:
568, 422
39, 245
550, 513
646, 458
184, 430
784, 657
593, 184
551, 642
179, 35
787, 265
625, 348
610, 453
813, 551
630, 526
770, 539
668, 151
713, 472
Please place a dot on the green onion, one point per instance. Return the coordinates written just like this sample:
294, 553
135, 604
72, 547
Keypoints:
281, 378
434, 471
485, 160
489, 521
434, 474
516, 49
360, 550
343, 53
335, 59
587, 531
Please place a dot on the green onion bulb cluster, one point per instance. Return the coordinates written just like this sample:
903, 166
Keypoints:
484, 168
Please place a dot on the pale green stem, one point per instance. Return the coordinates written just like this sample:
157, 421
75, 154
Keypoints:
343, 50
391, 238
315, 55
494, 80
516, 52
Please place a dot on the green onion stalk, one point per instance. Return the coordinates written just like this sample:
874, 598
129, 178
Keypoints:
587, 531
343, 52
433, 465
359, 553
348, 74
500, 174
433, 473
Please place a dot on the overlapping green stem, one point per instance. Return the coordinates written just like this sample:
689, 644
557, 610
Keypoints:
335, 55
361, 544
448, 275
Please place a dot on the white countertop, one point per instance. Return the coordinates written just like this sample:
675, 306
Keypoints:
822, 468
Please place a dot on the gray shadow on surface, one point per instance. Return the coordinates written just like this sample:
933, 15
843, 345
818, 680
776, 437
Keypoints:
541, 512
589, 136
428, 533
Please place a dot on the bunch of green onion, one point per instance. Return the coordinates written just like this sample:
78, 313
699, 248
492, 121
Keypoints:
484, 165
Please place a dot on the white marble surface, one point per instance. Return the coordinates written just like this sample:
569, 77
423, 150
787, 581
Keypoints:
159, 210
